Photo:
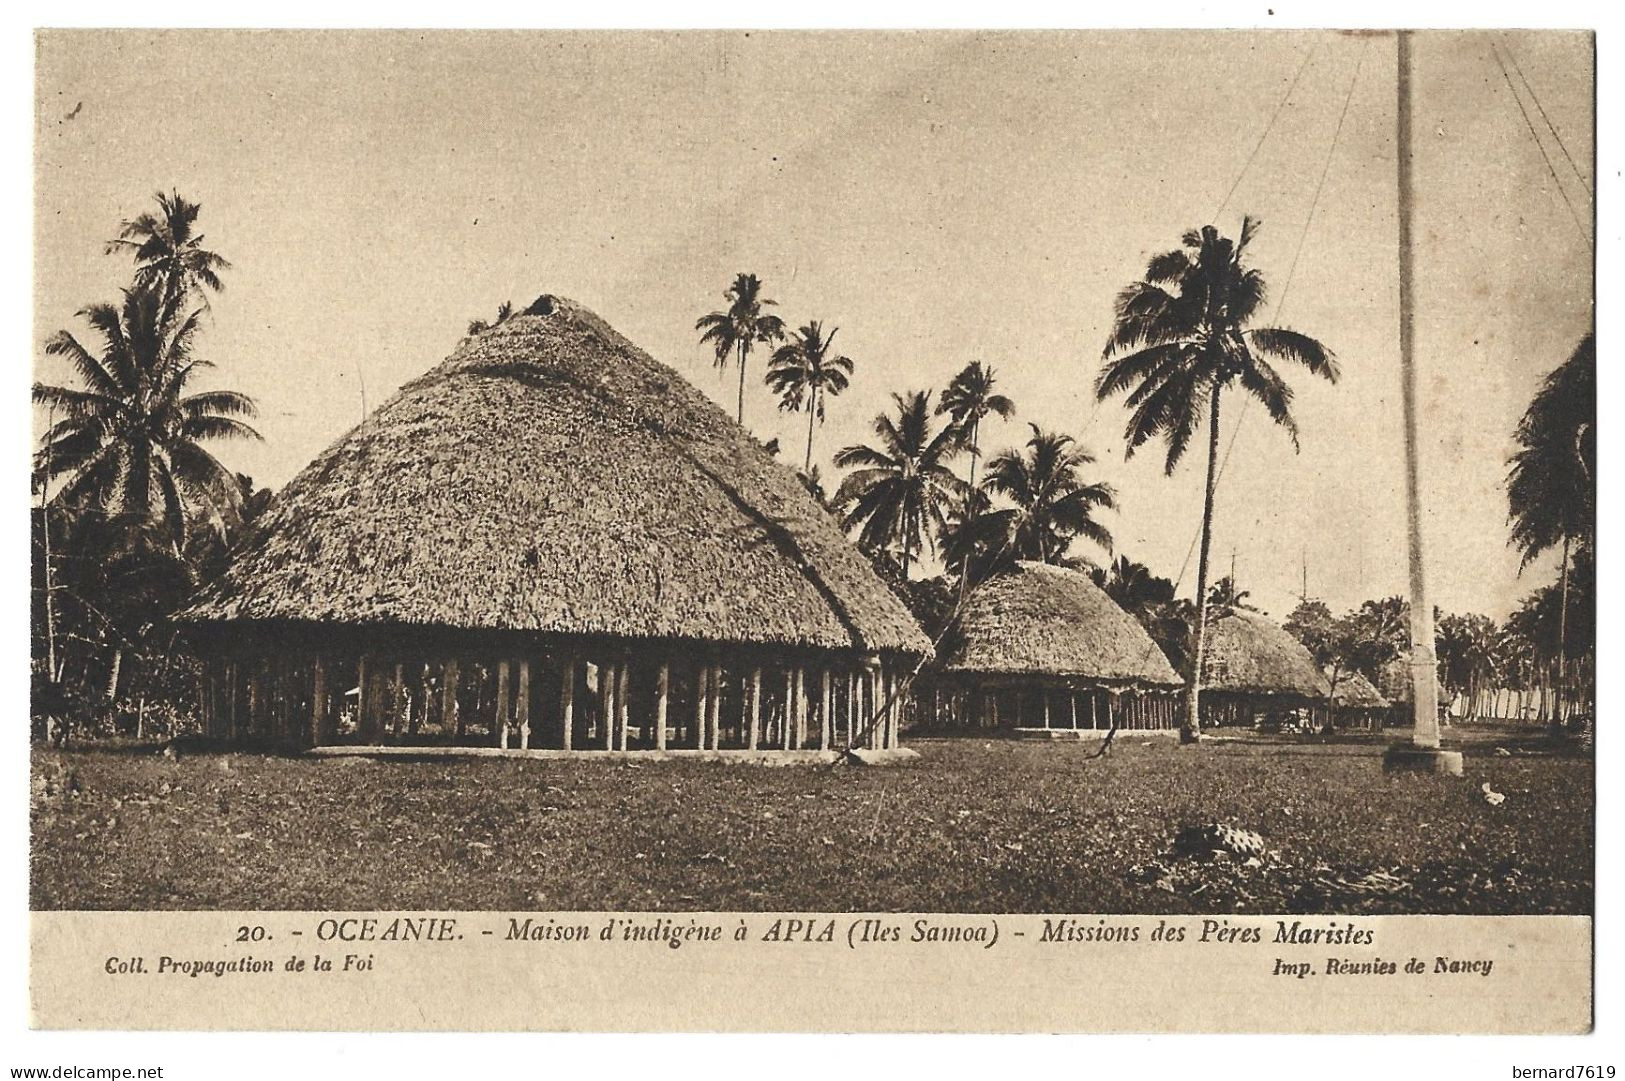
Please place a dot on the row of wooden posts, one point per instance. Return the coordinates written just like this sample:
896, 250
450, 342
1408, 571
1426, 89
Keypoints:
565, 703
1038, 705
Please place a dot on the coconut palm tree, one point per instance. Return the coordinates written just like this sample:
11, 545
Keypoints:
803, 373
899, 493
968, 398
1179, 339
1225, 594
1053, 503
129, 444
480, 326
733, 332
169, 252
1550, 491
974, 545
1134, 587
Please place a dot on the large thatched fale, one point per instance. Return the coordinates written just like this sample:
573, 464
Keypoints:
551, 516
1043, 646
1250, 666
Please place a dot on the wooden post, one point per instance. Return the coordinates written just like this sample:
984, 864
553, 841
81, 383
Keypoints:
894, 707
217, 703
522, 705
854, 708
826, 714
377, 691
256, 703
606, 705
798, 738
662, 701
279, 685
854, 718
702, 686
421, 714
888, 706
1045, 692
567, 703
231, 700
872, 714
623, 695
789, 707
896, 736
754, 717
204, 685
896, 730
363, 695
396, 687
449, 720
318, 703
225, 702
716, 707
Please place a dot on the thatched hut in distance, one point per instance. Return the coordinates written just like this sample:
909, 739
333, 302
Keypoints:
1040, 647
1394, 682
1356, 702
551, 541
1253, 671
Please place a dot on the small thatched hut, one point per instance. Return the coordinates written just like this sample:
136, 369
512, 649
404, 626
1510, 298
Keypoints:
1357, 702
1394, 681
551, 541
1253, 670
1043, 647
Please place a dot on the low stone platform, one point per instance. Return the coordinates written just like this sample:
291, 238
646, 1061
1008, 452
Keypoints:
730, 757
1408, 756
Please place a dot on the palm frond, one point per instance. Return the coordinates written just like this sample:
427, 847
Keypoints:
1293, 346
226, 403
1168, 268
860, 456
1118, 374
78, 404
1266, 385
206, 426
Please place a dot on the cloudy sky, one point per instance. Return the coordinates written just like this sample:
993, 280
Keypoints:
939, 197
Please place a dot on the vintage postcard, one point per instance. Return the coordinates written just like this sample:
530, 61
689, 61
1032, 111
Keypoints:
945, 531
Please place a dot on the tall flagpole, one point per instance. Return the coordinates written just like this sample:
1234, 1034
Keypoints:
1424, 747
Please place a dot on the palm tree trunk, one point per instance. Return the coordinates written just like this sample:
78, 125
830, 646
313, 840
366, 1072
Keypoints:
741, 414
909, 531
1191, 731
50, 583
1331, 700
1562, 637
812, 414
975, 452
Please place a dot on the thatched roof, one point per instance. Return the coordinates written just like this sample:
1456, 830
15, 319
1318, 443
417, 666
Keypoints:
1245, 653
1354, 691
552, 477
1041, 620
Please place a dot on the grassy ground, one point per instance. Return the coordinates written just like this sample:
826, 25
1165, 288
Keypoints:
974, 825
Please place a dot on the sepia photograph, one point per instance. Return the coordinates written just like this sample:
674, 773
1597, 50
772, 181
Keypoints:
1126, 473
